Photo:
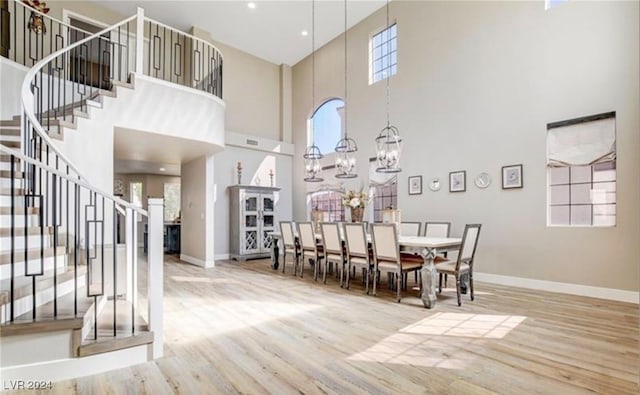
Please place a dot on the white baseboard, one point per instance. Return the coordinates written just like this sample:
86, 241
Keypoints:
196, 261
566, 288
65, 369
222, 257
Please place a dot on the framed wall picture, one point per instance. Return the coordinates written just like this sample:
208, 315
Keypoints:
458, 181
415, 185
512, 176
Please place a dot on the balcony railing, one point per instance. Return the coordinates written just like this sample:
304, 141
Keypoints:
181, 58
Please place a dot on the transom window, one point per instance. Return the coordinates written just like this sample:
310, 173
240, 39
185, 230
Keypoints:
383, 62
330, 203
581, 172
326, 124
548, 4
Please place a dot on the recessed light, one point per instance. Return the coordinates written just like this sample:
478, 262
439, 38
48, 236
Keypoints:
251, 5
163, 169
305, 33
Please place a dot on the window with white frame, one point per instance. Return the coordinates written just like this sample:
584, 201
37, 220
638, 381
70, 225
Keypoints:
326, 125
171, 201
383, 59
384, 196
135, 193
581, 172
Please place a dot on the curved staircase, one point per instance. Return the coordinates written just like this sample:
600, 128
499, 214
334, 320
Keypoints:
71, 284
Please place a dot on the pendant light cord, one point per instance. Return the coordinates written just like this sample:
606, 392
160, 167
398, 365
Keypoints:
388, 62
346, 102
313, 69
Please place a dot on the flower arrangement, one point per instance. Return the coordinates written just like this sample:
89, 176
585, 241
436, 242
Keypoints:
36, 22
354, 199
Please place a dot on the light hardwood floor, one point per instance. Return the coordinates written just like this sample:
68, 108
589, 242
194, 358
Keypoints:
243, 328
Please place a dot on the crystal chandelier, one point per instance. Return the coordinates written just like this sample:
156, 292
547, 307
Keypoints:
346, 147
388, 142
312, 155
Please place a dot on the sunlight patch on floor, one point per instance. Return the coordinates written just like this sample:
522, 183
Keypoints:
228, 316
191, 279
441, 340
466, 325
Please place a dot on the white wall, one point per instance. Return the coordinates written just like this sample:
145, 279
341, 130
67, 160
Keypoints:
256, 165
477, 83
11, 77
256, 92
153, 106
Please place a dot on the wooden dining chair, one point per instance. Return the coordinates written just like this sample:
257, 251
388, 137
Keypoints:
388, 258
289, 245
309, 248
410, 228
437, 229
464, 263
333, 251
357, 250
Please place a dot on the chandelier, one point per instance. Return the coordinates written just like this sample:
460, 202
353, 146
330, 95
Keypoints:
346, 147
312, 155
388, 142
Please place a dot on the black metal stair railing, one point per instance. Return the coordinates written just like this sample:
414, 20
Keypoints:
178, 57
65, 222
72, 207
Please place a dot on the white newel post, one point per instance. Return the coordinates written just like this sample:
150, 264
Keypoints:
156, 274
140, 41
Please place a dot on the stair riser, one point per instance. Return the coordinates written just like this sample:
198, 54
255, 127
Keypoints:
7, 166
6, 182
33, 241
33, 266
9, 137
25, 304
19, 220
18, 200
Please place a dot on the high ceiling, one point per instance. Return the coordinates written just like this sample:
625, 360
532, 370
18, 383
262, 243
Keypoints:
271, 31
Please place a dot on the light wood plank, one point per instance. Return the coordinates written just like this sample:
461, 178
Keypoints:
243, 328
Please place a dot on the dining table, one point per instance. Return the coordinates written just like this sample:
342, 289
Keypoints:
427, 247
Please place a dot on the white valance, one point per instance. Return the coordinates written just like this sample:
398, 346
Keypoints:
582, 144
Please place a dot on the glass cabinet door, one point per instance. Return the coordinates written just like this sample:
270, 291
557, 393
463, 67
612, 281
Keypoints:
268, 220
251, 202
267, 203
251, 237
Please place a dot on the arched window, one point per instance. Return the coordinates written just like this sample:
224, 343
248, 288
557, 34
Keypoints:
326, 124
330, 202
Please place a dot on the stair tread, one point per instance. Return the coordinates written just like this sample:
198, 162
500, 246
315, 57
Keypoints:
23, 285
19, 231
7, 174
107, 344
44, 312
9, 131
20, 210
32, 253
7, 191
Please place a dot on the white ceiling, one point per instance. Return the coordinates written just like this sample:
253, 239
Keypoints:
142, 152
271, 31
